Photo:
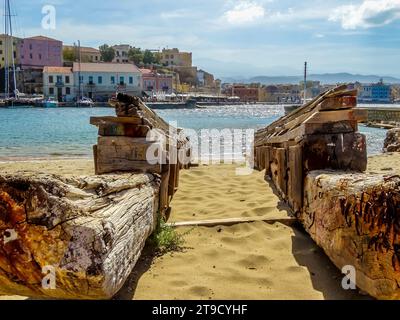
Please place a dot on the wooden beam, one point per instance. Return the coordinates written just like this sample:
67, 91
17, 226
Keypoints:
295, 181
339, 115
127, 130
337, 103
233, 221
96, 121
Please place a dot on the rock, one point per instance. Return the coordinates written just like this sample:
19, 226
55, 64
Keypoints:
392, 141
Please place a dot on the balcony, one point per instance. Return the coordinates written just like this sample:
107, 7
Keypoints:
91, 84
60, 84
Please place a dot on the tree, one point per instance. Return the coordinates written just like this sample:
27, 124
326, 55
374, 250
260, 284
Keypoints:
148, 57
136, 56
107, 53
69, 54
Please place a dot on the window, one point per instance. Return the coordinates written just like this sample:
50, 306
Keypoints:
100, 80
31, 55
81, 79
67, 90
40, 56
90, 79
51, 79
67, 79
130, 80
121, 80
112, 80
30, 47
59, 79
96, 58
15, 54
51, 90
1, 43
1, 51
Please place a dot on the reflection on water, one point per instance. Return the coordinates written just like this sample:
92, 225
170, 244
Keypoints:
66, 132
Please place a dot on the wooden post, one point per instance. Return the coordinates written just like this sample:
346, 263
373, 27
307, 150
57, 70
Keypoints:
295, 181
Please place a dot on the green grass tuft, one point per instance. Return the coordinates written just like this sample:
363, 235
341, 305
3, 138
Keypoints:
166, 238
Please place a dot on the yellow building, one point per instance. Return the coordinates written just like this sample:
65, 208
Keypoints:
88, 54
175, 58
11, 51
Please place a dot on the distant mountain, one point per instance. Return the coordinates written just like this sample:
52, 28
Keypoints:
326, 78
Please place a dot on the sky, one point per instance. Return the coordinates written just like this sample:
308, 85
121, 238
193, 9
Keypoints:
235, 38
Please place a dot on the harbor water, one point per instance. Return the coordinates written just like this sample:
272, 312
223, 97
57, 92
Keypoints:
29, 133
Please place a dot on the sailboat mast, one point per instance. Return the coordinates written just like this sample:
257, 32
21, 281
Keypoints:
6, 51
305, 82
12, 50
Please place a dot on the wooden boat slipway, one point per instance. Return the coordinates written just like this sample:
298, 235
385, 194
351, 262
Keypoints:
88, 232
315, 158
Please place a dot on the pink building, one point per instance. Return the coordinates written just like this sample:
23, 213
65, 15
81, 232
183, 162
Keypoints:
153, 82
38, 52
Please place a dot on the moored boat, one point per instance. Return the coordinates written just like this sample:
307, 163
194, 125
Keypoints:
50, 103
85, 102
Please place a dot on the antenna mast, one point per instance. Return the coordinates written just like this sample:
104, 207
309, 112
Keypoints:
305, 82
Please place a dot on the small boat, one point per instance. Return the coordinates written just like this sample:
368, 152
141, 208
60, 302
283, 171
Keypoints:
85, 102
50, 103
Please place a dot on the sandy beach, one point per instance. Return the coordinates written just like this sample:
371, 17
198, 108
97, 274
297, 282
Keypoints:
245, 261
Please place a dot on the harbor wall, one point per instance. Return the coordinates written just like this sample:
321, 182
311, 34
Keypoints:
383, 114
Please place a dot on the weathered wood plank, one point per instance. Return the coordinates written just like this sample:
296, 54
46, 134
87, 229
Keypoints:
336, 151
127, 130
336, 103
354, 218
88, 232
96, 121
233, 221
295, 178
339, 115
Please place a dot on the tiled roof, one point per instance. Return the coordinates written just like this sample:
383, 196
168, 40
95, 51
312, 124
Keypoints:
42, 38
84, 49
57, 70
146, 71
106, 67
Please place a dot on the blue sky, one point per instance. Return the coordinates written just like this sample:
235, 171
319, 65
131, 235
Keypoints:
236, 37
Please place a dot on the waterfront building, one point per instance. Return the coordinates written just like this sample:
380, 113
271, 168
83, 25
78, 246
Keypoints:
40, 51
154, 82
87, 54
176, 58
12, 51
375, 93
100, 81
121, 53
58, 82
205, 79
246, 93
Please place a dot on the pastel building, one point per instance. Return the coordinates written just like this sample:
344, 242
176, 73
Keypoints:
58, 82
176, 58
87, 54
153, 82
8, 47
121, 53
40, 51
375, 93
100, 81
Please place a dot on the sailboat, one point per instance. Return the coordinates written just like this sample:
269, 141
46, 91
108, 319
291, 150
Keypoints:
9, 98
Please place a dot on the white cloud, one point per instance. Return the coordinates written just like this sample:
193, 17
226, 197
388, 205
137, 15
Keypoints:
244, 12
370, 13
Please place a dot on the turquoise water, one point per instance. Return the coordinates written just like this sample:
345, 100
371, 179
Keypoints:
66, 132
